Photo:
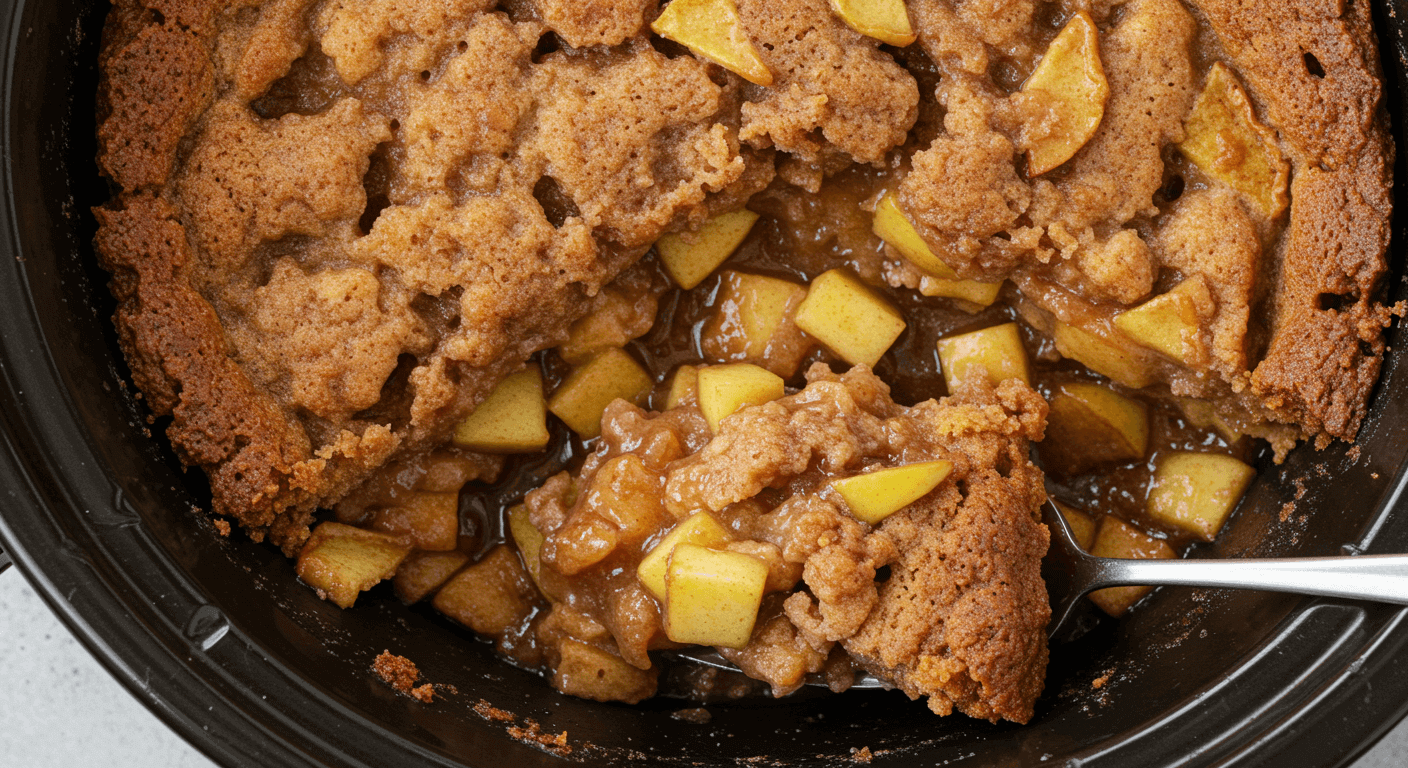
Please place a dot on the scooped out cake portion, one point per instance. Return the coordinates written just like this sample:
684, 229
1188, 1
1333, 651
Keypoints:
673, 534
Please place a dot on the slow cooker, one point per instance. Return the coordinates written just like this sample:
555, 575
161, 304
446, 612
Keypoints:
218, 638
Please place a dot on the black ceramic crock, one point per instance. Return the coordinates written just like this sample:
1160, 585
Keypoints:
217, 637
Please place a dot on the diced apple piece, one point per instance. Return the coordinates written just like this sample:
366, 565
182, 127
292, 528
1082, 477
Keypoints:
1089, 425
1082, 525
970, 296
423, 572
1121, 540
490, 596
895, 228
582, 542
588, 672
849, 318
430, 521
1204, 415
763, 304
690, 261
513, 419
712, 597
884, 20
712, 29
752, 321
447, 472
341, 561
723, 389
582, 397
700, 529
1197, 491
528, 539
619, 317
874, 496
684, 387
1226, 141
892, 226
1171, 323
590, 336
995, 353
1104, 357
1072, 85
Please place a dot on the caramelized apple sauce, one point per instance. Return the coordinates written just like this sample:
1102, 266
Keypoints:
802, 235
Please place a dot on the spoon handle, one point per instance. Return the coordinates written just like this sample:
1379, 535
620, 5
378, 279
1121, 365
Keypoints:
1383, 578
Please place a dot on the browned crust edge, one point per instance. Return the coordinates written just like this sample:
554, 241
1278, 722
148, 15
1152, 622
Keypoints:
1324, 354
156, 80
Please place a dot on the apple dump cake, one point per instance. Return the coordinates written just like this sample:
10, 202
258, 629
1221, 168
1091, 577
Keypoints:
619, 326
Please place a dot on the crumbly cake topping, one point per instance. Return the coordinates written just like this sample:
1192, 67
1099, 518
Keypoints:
1089, 227
835, 96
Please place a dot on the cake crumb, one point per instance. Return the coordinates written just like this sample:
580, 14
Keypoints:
1100, 681
490, 712
529, 731
222, 527
695, 715
533, 732
401, 673
1287, 510
861, 755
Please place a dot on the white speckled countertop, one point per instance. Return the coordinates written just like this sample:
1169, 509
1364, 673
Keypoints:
60, 709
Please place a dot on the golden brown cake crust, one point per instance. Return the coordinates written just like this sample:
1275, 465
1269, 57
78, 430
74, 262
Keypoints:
172, 340
156, 80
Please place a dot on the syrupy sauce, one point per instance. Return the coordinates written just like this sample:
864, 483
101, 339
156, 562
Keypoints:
1121, 489
799, 236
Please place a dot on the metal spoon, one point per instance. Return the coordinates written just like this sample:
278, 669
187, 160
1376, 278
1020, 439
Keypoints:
1071, 573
